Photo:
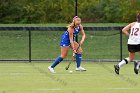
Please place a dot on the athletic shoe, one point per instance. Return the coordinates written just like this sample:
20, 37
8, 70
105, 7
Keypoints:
117, 68
80, 69
135, 67
51, 69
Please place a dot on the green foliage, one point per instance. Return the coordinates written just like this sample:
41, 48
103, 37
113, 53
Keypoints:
111, 10
62, 11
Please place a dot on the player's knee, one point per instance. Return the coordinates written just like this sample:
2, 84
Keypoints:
131, 59
128, 59
131, 56
80, 52
64, 56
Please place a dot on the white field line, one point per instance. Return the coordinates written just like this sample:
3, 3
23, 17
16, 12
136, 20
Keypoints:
65, 73
15, 66
28, 73
73, 89
124, 88
87, 89
3, 66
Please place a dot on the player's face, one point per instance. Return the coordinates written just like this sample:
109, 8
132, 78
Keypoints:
77, 21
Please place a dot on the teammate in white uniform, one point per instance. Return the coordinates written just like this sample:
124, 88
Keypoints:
133, 45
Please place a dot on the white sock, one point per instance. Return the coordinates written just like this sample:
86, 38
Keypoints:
128, 59
123, 62
138, 65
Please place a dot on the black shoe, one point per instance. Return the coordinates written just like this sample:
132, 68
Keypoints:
117, 68
135, 67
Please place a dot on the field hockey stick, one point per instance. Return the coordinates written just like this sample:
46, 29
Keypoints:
73, 57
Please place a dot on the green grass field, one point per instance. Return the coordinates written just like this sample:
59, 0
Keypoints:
35, 78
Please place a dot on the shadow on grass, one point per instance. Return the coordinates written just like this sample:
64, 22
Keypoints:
122, 77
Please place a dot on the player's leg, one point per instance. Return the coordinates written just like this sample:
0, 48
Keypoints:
78, 56
124, 61
137, 63
64, 52
136, 66
132, 50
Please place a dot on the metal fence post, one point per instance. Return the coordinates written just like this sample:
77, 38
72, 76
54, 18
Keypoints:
76, 11
30, 47
120, 44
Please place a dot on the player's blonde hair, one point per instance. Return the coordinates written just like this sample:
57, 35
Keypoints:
72, 24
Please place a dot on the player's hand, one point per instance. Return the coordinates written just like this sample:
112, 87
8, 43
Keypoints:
81, 42
74, 51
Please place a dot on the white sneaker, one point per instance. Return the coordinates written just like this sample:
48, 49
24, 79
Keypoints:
80, 69
51, 69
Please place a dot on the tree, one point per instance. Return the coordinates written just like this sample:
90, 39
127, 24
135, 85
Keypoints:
62, 11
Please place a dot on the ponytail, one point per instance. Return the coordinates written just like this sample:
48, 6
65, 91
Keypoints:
73, 22
138, 17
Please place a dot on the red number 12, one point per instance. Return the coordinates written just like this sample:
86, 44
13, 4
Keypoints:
135, 31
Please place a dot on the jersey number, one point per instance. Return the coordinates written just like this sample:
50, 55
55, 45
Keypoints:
135, 31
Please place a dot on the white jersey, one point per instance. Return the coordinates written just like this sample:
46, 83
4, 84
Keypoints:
134, 37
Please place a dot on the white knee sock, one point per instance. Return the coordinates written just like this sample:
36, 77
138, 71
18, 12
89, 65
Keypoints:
123, 62
138, 65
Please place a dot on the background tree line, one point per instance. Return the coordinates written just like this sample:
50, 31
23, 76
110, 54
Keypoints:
62, 11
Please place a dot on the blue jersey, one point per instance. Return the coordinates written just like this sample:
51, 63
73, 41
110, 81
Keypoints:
65, 40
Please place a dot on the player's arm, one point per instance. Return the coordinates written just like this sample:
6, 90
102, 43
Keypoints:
71, 30
83, 35
126, 29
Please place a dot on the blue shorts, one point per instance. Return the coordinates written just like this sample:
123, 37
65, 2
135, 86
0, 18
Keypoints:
64, 43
